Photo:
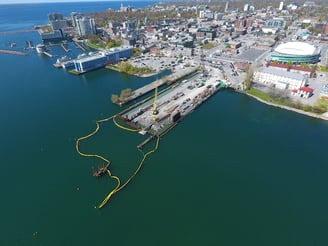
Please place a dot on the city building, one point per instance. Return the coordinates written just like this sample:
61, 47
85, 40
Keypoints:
206, 33
279, 79
59, 24
74, 17
226, 6
246, 7
296, 53
304, 92
86, 26
275, 23
55, 17
309, 72
281, 6
56, 35
309, 4
100, 59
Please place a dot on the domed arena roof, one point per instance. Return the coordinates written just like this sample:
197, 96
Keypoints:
297, 48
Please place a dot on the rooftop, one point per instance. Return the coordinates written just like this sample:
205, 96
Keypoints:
297, 48
282, 73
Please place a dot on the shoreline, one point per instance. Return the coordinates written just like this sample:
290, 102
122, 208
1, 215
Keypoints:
313, 115
136, 74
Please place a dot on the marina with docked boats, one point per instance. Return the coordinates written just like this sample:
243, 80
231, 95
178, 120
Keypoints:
86, 62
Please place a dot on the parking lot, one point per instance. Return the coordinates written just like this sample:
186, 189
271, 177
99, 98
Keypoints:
316, 84
169, 59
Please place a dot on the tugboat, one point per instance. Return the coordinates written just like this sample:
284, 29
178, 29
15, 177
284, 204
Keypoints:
100, 171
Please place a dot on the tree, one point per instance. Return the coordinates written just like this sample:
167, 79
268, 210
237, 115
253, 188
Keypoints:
136, 52
125, 93
249, 77
115, 98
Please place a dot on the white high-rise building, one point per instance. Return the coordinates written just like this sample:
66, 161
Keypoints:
281, 6
201, 14
226, 7
246, 7
86, 26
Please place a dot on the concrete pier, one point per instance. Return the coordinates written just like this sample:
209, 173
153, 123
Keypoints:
14, 52
64, 48
166, 80
48, 54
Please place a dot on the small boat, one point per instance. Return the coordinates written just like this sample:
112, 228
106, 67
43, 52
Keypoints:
100, 171
63, 59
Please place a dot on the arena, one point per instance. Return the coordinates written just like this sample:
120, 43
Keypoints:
296, 52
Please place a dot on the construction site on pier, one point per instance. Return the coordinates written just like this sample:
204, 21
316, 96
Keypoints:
157, 114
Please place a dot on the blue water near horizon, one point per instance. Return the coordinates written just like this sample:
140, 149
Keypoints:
234, 172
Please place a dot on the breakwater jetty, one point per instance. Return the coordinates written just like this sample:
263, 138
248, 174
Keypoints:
17, 31
14, 52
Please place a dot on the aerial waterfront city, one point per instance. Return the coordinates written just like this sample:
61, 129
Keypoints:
276, 53
188, 123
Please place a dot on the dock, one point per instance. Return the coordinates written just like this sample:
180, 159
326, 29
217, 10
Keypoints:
64, 48
14, 52
79, 46
141, 145
100, 171
48, 54
159, 114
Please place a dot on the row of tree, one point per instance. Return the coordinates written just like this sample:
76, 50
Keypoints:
122, 98
126, 67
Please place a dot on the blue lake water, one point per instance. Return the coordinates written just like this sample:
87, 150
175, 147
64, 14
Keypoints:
235, 172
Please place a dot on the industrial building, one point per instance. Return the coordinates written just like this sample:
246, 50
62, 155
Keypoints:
95, 60
279, 79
